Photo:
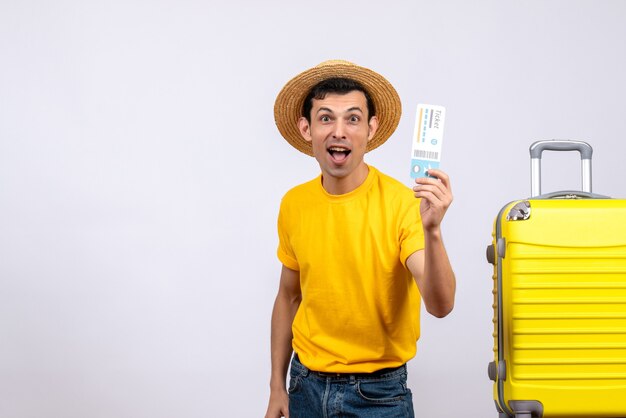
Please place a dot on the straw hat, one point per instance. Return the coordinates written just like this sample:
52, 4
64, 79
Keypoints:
288, 105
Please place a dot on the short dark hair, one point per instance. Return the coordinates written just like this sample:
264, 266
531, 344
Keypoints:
338, 85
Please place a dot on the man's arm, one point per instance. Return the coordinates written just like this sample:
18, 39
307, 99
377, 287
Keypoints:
434, 276
285, 307
431, 267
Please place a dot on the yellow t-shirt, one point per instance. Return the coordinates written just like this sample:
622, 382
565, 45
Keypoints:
360, 305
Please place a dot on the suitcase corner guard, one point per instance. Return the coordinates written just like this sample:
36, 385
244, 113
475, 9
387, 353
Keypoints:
527, 409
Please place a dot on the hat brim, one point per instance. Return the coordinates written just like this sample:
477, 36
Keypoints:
288, 105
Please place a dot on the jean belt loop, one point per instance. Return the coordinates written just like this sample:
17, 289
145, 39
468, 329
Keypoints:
352, 379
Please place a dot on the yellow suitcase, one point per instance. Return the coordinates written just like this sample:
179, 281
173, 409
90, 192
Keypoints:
560, 300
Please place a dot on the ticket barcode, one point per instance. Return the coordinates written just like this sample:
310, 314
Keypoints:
423, 154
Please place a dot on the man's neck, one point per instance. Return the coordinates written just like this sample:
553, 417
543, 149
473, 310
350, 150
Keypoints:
343, 185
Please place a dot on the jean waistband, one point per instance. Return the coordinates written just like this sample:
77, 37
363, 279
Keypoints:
379, 374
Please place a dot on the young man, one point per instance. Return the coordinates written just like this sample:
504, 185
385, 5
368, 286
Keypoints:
359, 250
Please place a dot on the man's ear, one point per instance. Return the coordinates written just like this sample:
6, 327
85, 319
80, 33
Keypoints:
373, 127
305, 128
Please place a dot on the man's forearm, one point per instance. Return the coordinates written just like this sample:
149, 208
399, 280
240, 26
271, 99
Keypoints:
282, 319
439, 281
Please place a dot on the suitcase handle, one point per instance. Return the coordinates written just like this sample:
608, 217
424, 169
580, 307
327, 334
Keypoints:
537, 148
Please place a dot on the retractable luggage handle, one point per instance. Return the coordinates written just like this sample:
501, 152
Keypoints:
537, 148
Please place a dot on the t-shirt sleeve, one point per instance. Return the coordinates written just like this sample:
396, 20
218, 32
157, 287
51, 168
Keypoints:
285, 251
411, 231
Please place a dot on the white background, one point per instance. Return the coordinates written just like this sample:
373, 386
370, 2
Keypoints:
141, 173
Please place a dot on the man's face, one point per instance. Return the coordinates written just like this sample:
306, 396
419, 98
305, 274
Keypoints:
339, 131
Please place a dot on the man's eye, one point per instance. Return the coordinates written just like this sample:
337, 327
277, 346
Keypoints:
325, 118
354, 119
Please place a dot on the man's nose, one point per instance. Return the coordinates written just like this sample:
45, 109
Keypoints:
340, 128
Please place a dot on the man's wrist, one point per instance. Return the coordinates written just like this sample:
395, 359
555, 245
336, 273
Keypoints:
277, 385
432, 232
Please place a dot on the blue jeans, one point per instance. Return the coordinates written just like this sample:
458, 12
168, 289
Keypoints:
324, 395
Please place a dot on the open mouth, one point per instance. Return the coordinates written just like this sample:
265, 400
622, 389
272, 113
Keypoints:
338, 154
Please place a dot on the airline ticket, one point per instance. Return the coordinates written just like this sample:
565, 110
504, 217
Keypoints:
427, 139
